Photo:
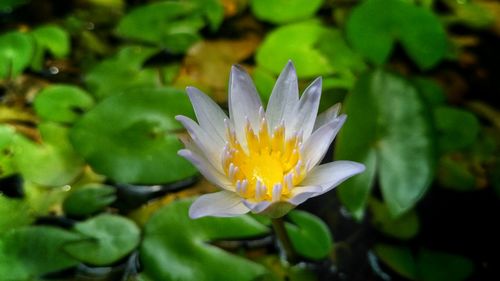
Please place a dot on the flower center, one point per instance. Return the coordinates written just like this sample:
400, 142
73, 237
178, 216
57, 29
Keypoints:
268, 168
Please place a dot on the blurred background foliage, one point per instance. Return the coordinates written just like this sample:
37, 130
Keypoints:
91, 187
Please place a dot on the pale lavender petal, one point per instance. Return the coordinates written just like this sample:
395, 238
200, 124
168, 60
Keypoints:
302, 193
218, 204
244, 103
305, 111
317, 145
212, 148
257, 207
332, 174
206, 169
327, 116
209, 115
284, 97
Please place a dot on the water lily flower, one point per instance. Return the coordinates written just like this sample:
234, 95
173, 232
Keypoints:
264, 160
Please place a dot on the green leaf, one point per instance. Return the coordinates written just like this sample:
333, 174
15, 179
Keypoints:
89, 199
7, 134
62, 103
431, 91
283, 11
437, 266
404, 227
394, 142
50, 38
399, 259
16, 50
13, 213
374, 26
171, 25
213, 11
455, 173
29, 252
456, 128
8, 5
121, 72
309, 235
137, 141
314, 49
52, 163
174, 241
107, 239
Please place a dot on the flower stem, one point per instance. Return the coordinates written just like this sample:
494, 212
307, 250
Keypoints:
284, 240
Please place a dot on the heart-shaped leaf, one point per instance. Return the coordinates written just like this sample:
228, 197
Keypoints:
395, 141
274, 11
374, 26
404, 227
16, 50
171, 25
309, 235
89, 199
131, 138
6, 151
176, 247
62, 103
49, 38
107, 238
29, 252
52, 163
14, 213
314, 48
121, 72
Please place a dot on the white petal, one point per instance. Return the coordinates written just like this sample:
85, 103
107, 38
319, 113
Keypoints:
327, 116
257, 207
244, 103
206, 169
305, 111
209, 115
212, 148
218, 204
302, 193
284, 97
317, 145
332, 174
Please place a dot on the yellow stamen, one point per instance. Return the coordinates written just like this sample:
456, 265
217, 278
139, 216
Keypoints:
270, 166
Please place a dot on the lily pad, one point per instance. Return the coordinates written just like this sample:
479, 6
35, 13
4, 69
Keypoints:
395, 142
52, 163
19, 214
456, 128
274, 10
6, 151
309, 235
131, 137
171, 25
29, 252
314, 49
89, 199
106, 239
174, 241
427, 265
399, 259
404, 227
62, 103
375, 26
16, 50
49, 38
122, 72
